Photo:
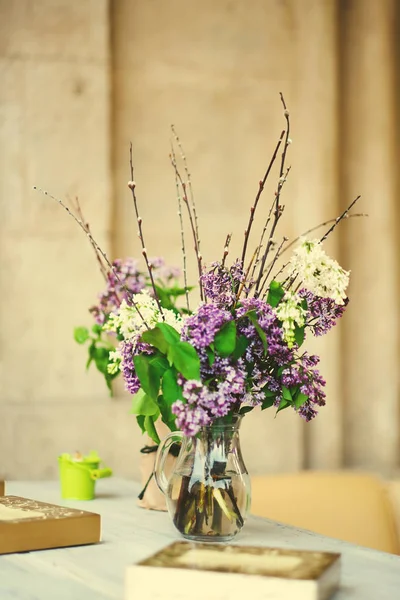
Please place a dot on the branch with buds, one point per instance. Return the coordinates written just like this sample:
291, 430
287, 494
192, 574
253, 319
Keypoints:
132, 187
192, 224
95, 245
226, 248
278, 209
183, 245
259, 192
189, 183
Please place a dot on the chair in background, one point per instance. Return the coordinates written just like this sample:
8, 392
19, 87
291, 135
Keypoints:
349, 506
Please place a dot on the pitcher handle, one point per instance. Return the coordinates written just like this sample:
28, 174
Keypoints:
161, 457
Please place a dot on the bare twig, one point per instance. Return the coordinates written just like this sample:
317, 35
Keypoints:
226, 248
256, 263
260, 244
102, 266
132, 186
340, 218
183, 246
259, 192
277, 213
335, 222
95, 244
315, 228
245, 277
273, 262
287, 142
78, 210
192, 225
189, 180
278, 210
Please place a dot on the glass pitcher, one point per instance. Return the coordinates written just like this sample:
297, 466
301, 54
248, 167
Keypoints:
208, 493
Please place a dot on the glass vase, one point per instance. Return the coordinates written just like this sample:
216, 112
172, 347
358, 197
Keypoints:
208, 493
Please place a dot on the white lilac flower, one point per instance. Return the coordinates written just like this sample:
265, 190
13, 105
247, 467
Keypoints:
114, 358
290, 312
128, 323
318, 273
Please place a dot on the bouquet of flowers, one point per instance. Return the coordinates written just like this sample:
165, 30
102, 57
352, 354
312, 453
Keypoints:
195, 364
242, 345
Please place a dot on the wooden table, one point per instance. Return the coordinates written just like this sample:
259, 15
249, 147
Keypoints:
131, 533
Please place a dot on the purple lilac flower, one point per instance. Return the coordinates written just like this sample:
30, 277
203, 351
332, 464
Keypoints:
261, 380
278, 351
310, 360
223, 370
205, 403
237, 272
307, 412
128, 350
309, 382
132, 383
200, 328
313, 387
322, 312
221, 284
188, 419
163, 272
125, 279
303, 375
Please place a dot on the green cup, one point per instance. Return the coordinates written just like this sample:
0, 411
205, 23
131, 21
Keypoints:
78, 476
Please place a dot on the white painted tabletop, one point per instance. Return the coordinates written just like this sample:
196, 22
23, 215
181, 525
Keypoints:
129, 534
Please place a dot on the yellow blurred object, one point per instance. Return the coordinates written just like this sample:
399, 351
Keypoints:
349, 506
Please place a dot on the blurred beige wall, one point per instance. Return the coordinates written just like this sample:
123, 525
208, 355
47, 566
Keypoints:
79, 80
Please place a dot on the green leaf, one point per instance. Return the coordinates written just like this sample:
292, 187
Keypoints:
97, 330
170, 333
281, 369
299, 335
140, 421
286, 394
269, 393
164, 298
300, 399
283, 404
170, 388
161, 337
245, 409
109, 377
155, 338
101, 358
252, 315
143, 405
275, 294
225, 339
210, 355
148, 375
150, 429
178, 291
160, 363
268, 402
167, 415
185, 359
81, 334
241, 346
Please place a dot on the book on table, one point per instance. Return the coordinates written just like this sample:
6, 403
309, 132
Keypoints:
219, 571
27, 524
